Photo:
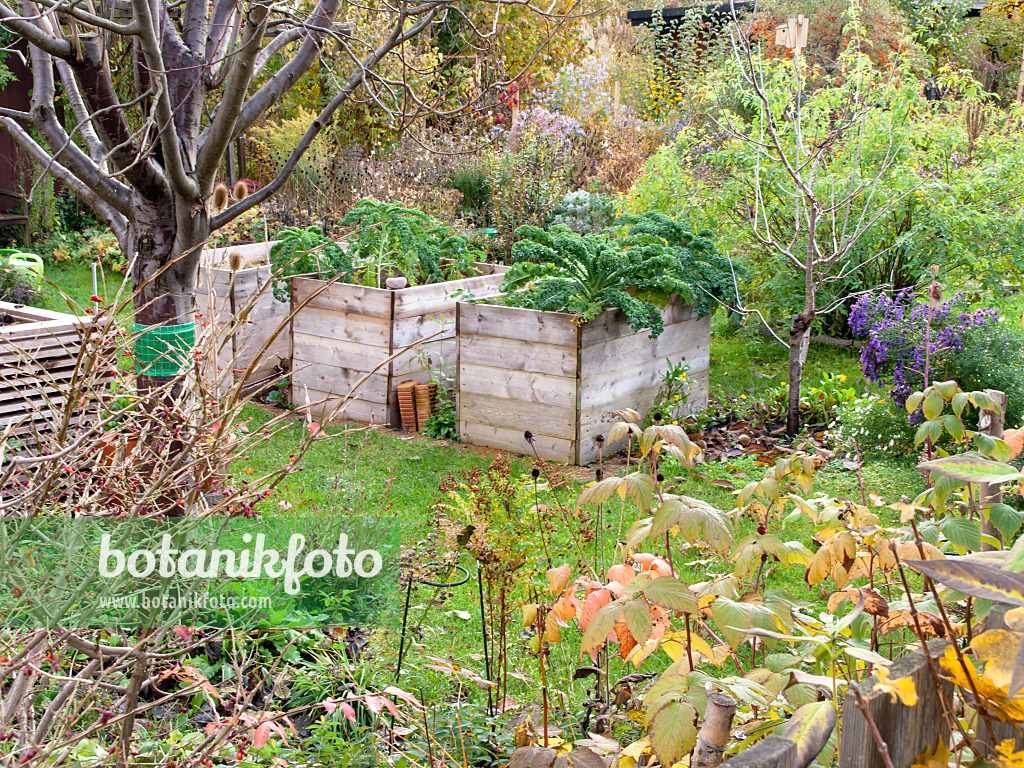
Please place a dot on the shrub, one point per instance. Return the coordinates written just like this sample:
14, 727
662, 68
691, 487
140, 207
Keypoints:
585, 212
877, 424
974, 347
16, 290
89, 245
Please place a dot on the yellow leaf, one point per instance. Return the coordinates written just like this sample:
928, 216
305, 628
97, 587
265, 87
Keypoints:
966, 675
997, 650
901, 688
1006, 757
936, 757
529, 614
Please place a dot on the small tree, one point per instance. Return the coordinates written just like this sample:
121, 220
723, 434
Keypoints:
814, 142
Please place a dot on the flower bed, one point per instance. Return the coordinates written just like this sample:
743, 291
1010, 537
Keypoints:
526, 370
345, 332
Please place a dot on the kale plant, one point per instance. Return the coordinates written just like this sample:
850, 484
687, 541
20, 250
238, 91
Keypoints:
691, 255
390, 238
306, 252
562, 271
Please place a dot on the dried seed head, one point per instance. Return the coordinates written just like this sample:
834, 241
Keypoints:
235, 261
241, 190
219, 201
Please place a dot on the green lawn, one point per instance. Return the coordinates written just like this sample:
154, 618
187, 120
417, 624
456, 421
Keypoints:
383, 472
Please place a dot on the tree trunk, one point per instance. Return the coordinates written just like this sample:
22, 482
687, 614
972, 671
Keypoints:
165, 272
799, 340
164, 277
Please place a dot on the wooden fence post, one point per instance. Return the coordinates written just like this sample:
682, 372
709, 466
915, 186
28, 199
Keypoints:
991, 423
772, 752
907, 731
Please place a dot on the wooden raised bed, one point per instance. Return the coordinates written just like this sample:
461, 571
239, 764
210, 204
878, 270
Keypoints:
346, 331
247, 293
38, 357
520, 369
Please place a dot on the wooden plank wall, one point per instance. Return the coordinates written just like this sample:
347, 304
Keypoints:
620, 368
346, 332
38, 359
525, 370
259, 315
517, 372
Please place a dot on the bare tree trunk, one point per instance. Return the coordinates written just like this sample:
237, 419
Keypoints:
800, 331
714, 734
799, 340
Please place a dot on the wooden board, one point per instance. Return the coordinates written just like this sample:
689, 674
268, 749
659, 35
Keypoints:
38, 360
552, 449
521, 369
349, 328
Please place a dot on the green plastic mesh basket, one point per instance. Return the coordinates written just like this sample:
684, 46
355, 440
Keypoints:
163, 350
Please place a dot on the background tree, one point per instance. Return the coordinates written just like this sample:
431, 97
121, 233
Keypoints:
819, 156
156, 100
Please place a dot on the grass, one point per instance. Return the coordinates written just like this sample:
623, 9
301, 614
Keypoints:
385, 473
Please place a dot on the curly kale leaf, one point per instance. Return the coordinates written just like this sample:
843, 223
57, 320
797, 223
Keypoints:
676, 255
306, 252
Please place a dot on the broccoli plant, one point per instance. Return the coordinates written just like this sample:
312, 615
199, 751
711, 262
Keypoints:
306, 252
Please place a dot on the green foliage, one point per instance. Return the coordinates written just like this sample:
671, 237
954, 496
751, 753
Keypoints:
992, 358
87, 246
443, 424
306, 252
562, 271
653, 258
470, 178
585, 212
389, 238
16, 290
878, 425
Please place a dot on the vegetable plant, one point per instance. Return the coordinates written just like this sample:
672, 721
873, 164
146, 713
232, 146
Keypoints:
388, 237
306, 251
562, 271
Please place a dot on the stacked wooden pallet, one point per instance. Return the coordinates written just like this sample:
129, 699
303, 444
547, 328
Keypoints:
39, 354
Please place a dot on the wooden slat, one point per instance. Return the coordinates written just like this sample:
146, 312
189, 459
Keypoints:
908, 731
515, 323
339, 381
337, 352
356, 410
549, 448
410, 330
518, 385
550, 420
609, 323
691, 340
342, 298
431, 299
373, 331
409, 362
514, 354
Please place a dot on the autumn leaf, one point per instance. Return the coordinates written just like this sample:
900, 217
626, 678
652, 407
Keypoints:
901, 688
559, 578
